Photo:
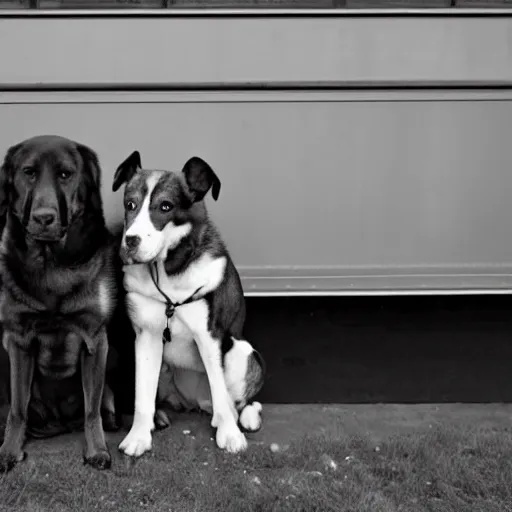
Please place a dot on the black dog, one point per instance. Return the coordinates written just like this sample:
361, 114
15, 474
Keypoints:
60, 287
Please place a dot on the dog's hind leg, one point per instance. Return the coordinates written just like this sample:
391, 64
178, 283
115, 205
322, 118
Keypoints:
108, 410
165, 388
244, 371
93, 380
250, 417
22, 371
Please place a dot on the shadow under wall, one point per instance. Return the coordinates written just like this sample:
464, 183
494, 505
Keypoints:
385, 349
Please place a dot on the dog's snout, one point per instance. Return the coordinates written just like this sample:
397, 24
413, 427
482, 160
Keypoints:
44, 216
132, 241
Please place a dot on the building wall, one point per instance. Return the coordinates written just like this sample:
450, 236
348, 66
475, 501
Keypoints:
358, 153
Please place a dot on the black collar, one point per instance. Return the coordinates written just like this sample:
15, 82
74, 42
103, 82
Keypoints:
170, 306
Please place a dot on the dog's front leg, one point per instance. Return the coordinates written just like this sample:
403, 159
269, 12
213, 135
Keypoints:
94, 365
148, 361
22, 371
225, 417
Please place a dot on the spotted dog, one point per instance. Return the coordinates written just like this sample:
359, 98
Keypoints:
185, 302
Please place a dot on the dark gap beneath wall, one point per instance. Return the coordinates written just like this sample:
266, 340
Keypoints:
384, 349
379, 349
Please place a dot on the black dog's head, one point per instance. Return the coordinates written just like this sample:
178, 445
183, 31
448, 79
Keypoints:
161, 207
47, 182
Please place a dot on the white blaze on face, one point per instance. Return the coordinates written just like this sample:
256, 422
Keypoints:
154, 244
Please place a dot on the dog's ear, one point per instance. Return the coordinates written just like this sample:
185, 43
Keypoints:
92, 171
6, 176
200, 178
91, 164
126, 170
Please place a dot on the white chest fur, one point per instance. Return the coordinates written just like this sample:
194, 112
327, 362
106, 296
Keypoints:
147, 305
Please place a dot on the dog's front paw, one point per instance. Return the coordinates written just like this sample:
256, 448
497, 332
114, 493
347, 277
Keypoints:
100, 460
137, 442
250, 417
8, 460
230, 438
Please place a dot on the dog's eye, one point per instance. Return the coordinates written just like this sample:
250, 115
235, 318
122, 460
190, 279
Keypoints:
29, 172
64, 175
130, 205
165, 206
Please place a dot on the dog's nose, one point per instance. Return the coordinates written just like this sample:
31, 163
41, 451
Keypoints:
132, 241
44, 216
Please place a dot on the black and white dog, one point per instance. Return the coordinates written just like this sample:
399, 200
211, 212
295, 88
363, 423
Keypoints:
185, 301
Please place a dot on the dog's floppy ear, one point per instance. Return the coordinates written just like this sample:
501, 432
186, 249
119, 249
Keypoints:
91, 163
200, 178
6, 176
92, 170
126, 170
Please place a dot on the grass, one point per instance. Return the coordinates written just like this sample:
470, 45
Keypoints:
442, 469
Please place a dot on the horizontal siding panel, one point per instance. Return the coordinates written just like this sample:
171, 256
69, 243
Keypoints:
340, 50
363, 195
254, 4
310, 4
14, 4
370, 282
397, 4
483, 3
250, 4
101, 4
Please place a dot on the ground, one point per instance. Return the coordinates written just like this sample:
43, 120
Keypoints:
382, 451
358, 458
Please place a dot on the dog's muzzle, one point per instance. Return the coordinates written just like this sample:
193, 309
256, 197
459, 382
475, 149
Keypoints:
45, 222
129, 249
44, 225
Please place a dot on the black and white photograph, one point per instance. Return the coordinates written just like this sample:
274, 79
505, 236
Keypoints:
256, 255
